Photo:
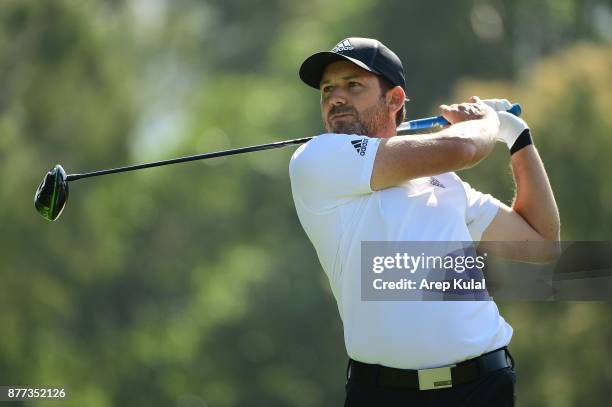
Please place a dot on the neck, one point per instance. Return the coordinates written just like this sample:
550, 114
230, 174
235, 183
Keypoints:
386, 132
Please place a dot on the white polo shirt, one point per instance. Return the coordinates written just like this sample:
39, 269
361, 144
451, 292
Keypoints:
330, 181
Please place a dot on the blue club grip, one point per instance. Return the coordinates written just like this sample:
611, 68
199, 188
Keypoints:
430, 122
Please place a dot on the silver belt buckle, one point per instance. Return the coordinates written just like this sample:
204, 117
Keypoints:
436, 378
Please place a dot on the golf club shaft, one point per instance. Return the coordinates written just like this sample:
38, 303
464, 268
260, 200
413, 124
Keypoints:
74, 177
410, 125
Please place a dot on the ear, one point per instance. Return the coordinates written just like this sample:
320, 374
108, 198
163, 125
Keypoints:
396, 98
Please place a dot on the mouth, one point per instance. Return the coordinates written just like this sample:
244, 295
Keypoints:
340, 116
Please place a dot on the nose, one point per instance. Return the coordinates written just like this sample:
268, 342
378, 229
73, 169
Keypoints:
338, 101
338, 98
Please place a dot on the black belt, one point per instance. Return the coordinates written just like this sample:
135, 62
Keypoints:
430, 379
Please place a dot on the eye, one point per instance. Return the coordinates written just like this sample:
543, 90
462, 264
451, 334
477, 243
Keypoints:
327, 89
354, 84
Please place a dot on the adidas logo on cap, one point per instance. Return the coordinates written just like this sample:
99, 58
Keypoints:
360, 146
344, 45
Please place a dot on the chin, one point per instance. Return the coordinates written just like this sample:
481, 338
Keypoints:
345, 128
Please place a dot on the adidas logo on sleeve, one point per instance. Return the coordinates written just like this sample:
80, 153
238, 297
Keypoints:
360, 146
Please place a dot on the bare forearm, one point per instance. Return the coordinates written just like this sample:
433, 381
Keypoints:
460, 146
478, 136
534, 200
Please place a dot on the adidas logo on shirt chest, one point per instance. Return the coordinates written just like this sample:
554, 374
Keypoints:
435, 182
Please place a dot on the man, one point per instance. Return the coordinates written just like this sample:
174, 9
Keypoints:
361, 182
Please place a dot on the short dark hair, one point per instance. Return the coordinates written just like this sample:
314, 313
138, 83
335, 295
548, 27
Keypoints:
385, 85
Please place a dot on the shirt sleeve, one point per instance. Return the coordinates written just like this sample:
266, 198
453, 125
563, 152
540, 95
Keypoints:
332, 169
480, 211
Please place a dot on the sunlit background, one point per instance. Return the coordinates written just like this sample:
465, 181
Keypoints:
194, 285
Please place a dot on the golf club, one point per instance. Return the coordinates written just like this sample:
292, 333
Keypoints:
52, 193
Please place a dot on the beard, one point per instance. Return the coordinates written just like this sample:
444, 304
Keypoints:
365, 124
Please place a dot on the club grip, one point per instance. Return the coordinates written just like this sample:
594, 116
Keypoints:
430, 122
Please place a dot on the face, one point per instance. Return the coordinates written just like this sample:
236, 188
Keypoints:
352, 103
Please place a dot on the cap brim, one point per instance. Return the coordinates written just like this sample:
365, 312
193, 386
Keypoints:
312, 68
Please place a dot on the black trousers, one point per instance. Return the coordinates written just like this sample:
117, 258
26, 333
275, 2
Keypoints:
495, 390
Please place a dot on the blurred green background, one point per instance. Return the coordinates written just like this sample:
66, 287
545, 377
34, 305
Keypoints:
194, 285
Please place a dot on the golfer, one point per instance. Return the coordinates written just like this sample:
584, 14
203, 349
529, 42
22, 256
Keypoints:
360, 181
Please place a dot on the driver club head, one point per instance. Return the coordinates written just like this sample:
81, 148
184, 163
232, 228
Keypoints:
52, 193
